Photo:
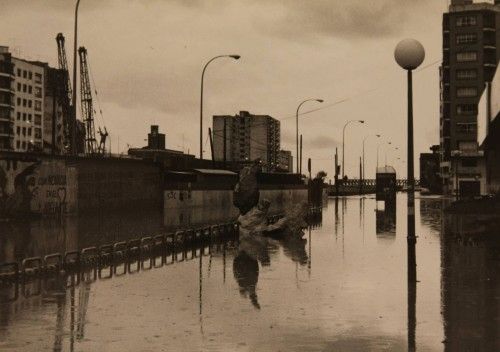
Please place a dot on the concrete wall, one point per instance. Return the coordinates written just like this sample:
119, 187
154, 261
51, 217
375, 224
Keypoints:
44, 185
184, 208
37, 186
108, 184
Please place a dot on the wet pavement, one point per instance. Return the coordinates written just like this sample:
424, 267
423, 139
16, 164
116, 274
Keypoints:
342, 288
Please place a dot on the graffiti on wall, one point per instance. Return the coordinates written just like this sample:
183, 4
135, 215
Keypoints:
32, 187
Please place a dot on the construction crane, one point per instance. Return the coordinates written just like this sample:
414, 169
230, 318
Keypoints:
64, 92
87, 106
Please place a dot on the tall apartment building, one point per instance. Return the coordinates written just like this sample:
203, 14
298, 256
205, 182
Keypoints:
247, 137
471, 50
27, 91
285, 161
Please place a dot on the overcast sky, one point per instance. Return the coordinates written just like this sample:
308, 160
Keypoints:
146, 58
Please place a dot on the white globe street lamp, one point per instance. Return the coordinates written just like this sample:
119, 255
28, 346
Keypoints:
410, 54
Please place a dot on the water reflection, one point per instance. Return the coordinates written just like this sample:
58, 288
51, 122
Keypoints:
470, 287
246, 273
274, 302
39, 237
386, 220
255, 249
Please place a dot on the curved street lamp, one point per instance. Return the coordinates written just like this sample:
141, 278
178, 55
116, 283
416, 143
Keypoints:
409, 54
364, 139
343, 138
235, 57
297, 126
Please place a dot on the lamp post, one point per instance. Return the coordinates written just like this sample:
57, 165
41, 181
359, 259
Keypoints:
343, 139
409, 54
364, 139
73, 118
297, 127
236, 57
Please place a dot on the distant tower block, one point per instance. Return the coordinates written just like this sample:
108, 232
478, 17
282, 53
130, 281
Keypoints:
156, 140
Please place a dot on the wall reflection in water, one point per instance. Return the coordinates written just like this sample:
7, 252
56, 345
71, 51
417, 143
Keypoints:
40, 237
386, 220
470, 287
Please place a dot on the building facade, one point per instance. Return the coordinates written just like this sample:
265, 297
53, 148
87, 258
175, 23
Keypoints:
471, 50
489, 133
27, 105
285, 161
429, 170
247, 137
156, 140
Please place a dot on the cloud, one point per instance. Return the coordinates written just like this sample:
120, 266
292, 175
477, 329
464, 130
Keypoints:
296, 19
322, 142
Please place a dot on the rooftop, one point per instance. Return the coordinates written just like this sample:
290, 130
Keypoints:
476, 6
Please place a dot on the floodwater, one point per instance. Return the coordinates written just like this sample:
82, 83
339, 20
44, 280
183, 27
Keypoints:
343, 288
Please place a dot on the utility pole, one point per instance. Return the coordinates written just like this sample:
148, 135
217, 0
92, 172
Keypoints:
211, 145
224, 135
73, 118
300, 162
336, 172
360, 176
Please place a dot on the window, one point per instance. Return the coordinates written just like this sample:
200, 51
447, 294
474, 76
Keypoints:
466, 109
18, 130
466, 92
466, 127
469, 162
466, 38
38, 119
18, 144
466, 21
24, 116
38, 78
24, 145
19, 72
18, 116
30, 75
30, 104
29, 118
25, 74
24, 102
24, 88
19, 101
24, 131
38, 105
38, 133
467, 56
38, 92
467, 146
30, 89
467, 74
29, 131
18, 87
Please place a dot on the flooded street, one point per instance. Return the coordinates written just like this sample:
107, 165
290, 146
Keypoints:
344, 288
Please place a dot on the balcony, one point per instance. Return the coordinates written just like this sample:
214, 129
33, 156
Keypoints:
6, 69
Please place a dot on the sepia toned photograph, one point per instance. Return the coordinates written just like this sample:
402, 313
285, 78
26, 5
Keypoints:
249, 175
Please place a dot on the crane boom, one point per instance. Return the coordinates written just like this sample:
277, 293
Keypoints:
65, 91
86, 105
